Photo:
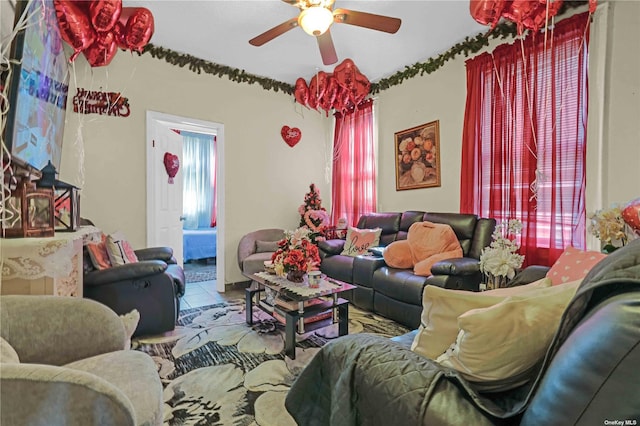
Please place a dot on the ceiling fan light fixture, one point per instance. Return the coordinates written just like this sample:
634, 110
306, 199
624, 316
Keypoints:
315, 20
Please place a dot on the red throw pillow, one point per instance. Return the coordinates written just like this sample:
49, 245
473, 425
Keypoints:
573, 264
98, 254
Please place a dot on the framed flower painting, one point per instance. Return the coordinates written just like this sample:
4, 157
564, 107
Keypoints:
418, 157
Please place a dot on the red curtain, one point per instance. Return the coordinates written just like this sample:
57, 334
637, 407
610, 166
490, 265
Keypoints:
524, 138
354, 167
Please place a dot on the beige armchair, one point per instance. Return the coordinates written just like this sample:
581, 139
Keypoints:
62, 363
256, 247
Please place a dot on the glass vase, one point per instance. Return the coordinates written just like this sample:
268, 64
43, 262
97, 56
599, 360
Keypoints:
493, 282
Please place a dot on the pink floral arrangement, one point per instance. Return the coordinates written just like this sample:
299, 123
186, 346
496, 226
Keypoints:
296, 252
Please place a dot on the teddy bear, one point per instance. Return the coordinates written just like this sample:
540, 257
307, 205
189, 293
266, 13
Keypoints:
426, 244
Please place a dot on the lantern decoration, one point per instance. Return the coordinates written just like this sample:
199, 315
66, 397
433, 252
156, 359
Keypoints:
66, 200
28, 211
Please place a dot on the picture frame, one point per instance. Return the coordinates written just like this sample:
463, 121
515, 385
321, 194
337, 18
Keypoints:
418, 157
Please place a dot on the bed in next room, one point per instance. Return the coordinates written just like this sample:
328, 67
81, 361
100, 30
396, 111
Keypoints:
199, 243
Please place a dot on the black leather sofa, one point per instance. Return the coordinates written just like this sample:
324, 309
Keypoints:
153, 286
397, 293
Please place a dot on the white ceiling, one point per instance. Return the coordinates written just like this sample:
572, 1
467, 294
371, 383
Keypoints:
219, 31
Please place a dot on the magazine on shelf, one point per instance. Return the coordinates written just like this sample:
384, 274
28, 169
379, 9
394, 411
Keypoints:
307, 320
291, 304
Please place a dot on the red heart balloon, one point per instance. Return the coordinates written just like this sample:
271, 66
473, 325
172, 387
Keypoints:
291, 135
104, 14
487, 12
101, 52
171, 164
139, 27
75, 26
631, 214
301, 92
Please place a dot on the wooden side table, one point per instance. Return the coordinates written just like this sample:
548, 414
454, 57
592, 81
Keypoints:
52, 266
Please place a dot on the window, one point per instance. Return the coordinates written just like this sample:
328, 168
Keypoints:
199, 207
354, 165
524, 139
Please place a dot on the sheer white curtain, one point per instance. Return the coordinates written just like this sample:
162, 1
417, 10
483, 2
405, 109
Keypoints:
198, 155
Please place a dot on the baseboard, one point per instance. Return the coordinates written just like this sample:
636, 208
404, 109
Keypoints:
240, 285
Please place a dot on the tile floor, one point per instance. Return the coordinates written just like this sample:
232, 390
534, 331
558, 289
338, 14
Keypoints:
204, 293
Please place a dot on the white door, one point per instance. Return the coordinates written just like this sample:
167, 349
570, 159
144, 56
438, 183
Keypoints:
164, 226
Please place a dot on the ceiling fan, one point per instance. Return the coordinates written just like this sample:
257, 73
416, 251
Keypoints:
316, 16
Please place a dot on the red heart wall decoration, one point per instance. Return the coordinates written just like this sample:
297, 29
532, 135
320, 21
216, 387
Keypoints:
291, 135
171, 164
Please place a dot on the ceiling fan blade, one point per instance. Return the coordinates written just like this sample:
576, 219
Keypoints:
274, 32
327, 49
367, 20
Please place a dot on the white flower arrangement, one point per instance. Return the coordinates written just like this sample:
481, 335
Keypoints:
609, 227
500, 258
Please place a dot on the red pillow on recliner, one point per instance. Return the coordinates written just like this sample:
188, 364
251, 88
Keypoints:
98, 254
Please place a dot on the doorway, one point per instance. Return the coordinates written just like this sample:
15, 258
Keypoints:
165, 228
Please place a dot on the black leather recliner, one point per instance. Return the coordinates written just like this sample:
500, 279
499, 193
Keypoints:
153, 286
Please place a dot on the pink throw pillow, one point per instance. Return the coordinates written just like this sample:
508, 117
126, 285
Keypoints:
360, 240
573, 264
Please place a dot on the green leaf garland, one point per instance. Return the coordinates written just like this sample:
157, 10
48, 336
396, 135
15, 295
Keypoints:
199, 66
469, 46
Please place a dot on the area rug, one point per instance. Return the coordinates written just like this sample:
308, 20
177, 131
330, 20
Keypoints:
197, 272
217, 370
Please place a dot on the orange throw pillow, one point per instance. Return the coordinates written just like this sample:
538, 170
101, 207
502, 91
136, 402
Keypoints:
427, 239
423, 268
573, 264
398, 255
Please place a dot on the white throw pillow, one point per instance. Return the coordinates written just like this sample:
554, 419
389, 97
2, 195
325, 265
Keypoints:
441, 308
506, 340
130, 323
119, 249
359, 241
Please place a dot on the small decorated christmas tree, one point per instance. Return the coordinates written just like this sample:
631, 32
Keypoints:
312, 214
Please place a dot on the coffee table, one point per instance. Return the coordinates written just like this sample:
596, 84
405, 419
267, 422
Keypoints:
298, 294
